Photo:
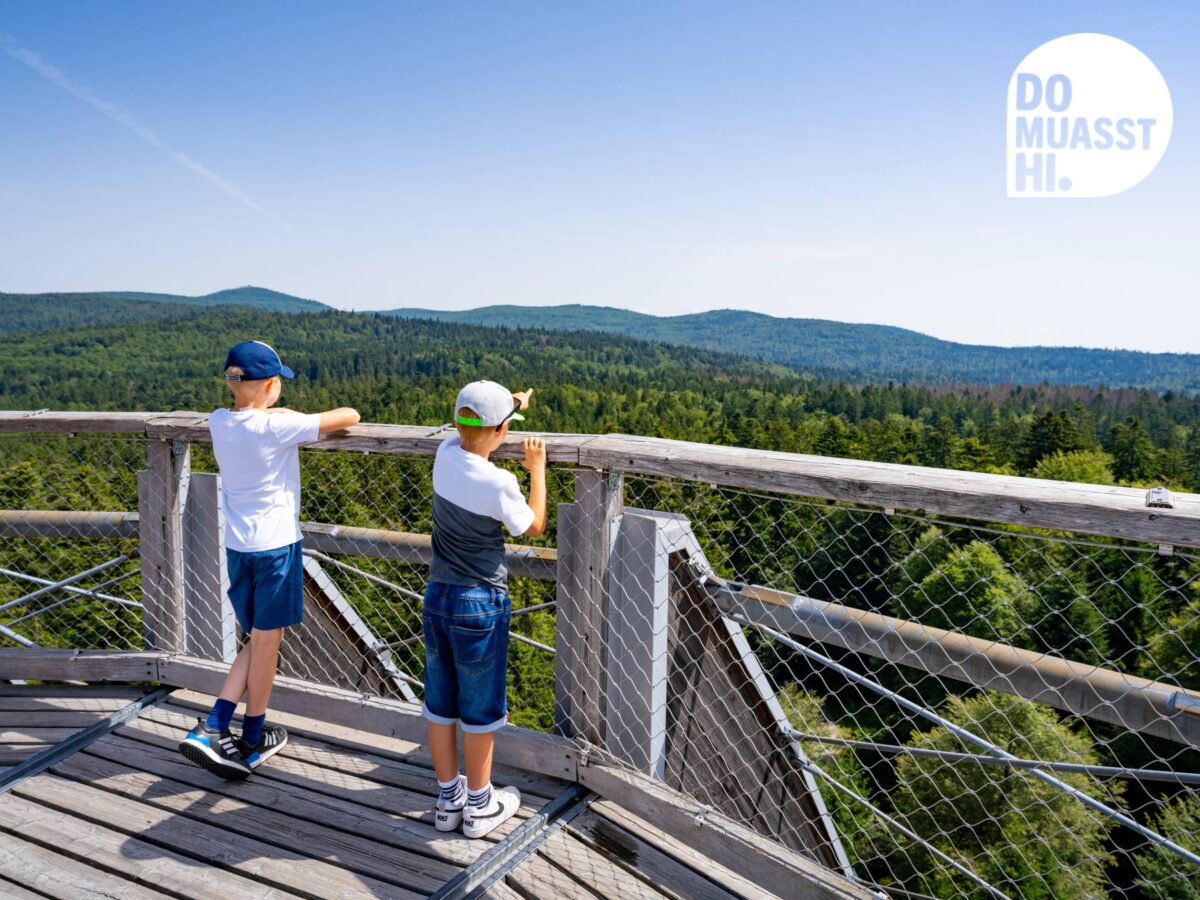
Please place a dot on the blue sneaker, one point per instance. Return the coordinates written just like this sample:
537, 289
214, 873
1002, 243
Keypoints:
273, 739
215, 751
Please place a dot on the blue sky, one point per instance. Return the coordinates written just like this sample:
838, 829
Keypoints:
840, 161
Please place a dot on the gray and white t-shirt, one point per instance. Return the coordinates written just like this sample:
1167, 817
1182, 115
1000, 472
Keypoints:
471, 498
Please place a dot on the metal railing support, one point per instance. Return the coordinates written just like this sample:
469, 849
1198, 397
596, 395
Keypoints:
971, 738
94, 592
1082, 689
66, 582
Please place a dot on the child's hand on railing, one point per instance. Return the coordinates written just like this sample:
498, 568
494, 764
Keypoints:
535, 455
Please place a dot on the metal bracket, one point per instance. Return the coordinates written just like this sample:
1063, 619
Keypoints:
36, 412
584, 752
613, 481
1159, 498
701, 814
1166, 549
39, 762
700, 569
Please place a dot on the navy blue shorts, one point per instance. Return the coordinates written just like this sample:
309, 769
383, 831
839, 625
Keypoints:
266, 587
466, 656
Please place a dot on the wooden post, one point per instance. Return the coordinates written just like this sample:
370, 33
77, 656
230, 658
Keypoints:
162, 487
586, 529
209, 623
639, 599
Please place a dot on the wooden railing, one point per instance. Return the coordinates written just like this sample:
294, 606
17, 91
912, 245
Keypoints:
1108, 511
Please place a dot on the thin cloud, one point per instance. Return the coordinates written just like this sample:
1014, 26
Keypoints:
126, 119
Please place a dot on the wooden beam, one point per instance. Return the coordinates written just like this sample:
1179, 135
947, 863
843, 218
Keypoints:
161, 489
744, 851
402, 546
1063, 506
1135, 703
413, 440
1034, 502
418, 440
77, 665
20, 422
517, 747
209, 623
409, 547
585, 536
26, 523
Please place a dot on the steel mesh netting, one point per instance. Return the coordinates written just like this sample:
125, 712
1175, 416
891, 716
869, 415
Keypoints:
60, 588
365, 517
916, 809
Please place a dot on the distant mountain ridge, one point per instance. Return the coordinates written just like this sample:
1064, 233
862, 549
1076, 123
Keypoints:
828, 349
256, 297
852, 351
50, 312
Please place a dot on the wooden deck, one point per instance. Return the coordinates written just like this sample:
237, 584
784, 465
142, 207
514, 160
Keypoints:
339, 813
33, 719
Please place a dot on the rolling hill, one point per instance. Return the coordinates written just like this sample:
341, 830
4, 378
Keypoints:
53, 312
255, 297
851, 351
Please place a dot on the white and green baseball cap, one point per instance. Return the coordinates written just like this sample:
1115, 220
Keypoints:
492, 404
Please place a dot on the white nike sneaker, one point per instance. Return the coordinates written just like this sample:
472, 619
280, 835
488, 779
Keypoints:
505, 802
449, 818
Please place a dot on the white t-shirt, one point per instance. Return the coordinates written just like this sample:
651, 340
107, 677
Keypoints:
260, 474
471, 498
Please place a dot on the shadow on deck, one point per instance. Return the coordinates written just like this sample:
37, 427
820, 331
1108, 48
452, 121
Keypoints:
339, 813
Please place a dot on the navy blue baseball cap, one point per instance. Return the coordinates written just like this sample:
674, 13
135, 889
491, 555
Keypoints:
256, 360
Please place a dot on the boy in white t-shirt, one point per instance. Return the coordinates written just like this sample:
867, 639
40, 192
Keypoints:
256, 450
466, 611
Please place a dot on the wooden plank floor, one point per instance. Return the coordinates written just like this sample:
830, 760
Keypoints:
338, 813
32, 719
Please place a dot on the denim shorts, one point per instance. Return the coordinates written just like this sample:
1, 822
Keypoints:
466, 656
266, 587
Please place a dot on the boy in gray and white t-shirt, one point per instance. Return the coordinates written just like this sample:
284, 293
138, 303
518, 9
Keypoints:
466, 611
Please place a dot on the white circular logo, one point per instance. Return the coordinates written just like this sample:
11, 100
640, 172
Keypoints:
1089, 115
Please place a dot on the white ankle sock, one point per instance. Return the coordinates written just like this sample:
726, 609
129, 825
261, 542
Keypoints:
481, 801
452, 793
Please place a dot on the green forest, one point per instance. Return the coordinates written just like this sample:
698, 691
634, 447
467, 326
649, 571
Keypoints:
855, 352
1096, 601
845, 351
397, 370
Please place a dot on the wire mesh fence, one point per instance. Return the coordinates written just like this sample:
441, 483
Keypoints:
906, 778
99, 605
911, 759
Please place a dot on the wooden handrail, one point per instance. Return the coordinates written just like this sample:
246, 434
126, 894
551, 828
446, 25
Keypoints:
1062, 506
